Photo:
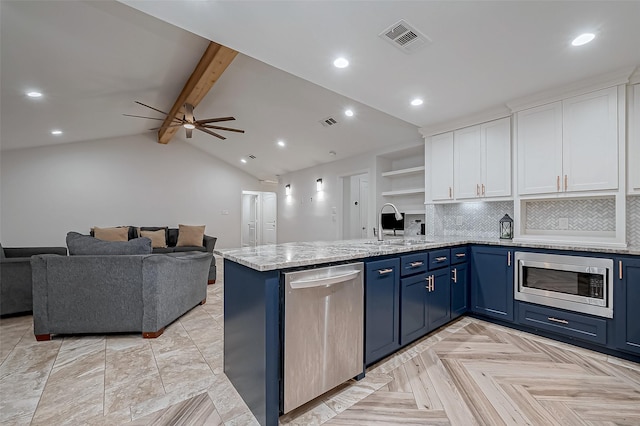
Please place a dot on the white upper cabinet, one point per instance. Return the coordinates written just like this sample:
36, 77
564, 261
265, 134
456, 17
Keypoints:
441, 160
570, 145
590, 141
467, 170
483, 160
633, 164
539, 144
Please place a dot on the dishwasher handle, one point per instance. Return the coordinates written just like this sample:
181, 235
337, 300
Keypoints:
323, 282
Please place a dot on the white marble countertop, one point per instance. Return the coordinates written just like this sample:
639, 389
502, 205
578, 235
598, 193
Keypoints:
291, 255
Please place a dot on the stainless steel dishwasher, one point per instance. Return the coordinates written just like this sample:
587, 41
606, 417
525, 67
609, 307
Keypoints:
323, 331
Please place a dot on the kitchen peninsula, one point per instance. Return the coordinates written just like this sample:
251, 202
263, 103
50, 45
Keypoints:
478, 276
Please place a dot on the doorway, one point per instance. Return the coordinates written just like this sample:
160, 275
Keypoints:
355, 221
259, 218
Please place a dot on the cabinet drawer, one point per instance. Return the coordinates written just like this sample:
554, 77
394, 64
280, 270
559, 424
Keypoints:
413, 263
459, 255
439, 259
567, 324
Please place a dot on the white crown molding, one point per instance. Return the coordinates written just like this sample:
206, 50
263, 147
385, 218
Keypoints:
470, 120
635, 77
614, 78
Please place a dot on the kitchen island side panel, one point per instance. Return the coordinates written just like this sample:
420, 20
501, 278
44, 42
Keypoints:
251, 338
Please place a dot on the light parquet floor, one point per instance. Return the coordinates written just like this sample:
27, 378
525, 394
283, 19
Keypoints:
468, 373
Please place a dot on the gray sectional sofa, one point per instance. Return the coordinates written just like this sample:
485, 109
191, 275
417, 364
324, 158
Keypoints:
106, 293
15, 277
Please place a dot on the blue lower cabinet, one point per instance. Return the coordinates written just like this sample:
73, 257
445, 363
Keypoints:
413, 305
382, 309
492, 282
626, 308
569, 324
439, 299
459, 289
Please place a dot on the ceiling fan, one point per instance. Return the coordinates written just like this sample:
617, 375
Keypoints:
189, 122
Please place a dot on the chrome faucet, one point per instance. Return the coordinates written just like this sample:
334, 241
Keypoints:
398, 217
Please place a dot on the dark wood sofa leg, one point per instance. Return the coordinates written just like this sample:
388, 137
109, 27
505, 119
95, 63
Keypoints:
152, 334
43, 337
211, 282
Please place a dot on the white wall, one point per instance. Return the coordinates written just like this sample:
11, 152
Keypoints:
307, 215
131, 180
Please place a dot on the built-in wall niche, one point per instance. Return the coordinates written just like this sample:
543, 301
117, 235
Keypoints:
401, 179
582, 221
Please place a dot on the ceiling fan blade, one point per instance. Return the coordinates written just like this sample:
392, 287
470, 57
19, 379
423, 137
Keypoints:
155, 109
210, 132
188, 112
139, 116
229, 129
189, 132
215, 120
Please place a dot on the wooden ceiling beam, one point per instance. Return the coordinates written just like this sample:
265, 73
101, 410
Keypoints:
214, 61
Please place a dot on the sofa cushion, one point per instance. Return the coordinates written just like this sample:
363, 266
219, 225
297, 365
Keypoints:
120, 233
190, 236
158, 237
79, 244
156, 228
189, 248
163, 249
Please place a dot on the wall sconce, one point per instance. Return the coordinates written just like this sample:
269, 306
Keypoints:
287, 190
319, 185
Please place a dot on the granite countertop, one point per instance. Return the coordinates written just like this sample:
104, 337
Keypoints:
291, 255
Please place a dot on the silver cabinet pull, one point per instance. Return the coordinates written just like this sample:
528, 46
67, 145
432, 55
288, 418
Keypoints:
483, 189
415, 264
441, 259
384, 271
620, 269
455, 275
561, 321
508, 258
461, 255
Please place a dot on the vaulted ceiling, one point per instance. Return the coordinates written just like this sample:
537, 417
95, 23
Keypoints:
92, 60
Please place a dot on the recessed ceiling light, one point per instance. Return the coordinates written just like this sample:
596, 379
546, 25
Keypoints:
348, 113
34, 94
56, 132
416, 102
281, 143
341, 63
583, 39
243, 161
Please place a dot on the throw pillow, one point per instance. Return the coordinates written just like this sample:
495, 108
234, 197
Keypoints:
79, 244
191, 236
120, 233
158, 238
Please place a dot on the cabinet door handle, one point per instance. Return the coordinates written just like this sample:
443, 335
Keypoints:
428, 287
455, 275
461, 255
477, 190
620, 269
565, 182
450, 195
441, 259
561, 321
415, 264
384, 271
483, 189
508, 258
558, 183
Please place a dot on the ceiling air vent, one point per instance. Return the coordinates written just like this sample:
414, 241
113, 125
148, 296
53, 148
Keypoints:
404, 37
328, 122
253, 157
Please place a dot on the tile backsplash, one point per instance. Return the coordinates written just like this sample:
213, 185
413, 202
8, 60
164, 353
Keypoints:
583, 215
480, 219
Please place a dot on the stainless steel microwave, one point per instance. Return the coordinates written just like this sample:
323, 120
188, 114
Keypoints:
574, 283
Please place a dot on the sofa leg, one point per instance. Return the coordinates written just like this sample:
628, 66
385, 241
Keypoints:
43, 337
203, 302
152, 334
211, 282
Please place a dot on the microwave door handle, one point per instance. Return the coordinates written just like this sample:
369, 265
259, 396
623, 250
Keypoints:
323, 282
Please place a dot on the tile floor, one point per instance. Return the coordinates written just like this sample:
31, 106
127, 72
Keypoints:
178, 379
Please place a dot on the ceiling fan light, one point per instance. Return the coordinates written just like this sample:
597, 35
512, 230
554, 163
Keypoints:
189, 126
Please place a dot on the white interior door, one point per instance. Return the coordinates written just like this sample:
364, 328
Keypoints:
249, 219
269, 217
356, 214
